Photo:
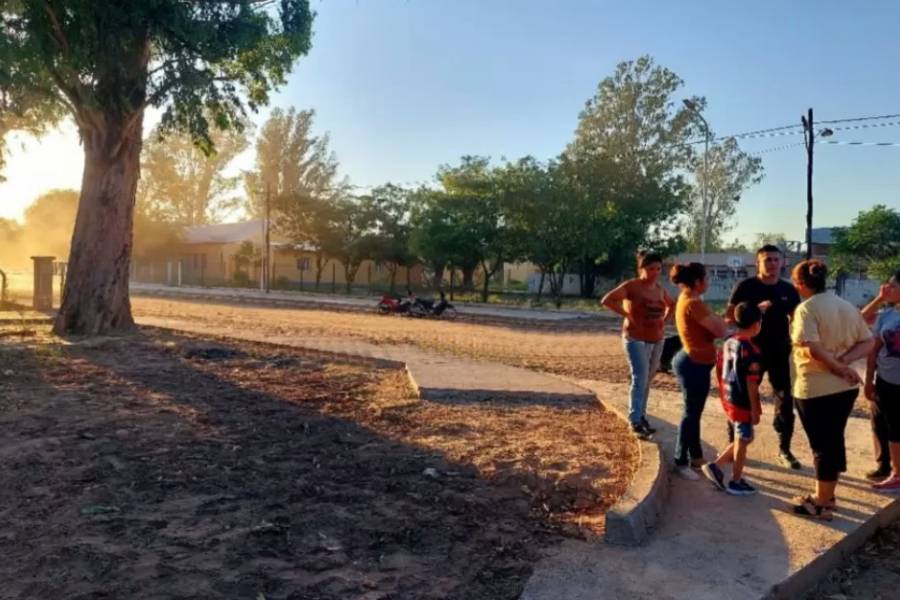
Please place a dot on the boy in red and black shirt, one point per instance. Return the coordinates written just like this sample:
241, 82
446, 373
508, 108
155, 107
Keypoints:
738, 369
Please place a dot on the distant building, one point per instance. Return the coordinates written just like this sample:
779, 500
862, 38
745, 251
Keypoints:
822, 241
211, 255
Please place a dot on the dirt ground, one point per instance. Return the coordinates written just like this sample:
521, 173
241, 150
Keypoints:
171, 466
871, 573
586, 350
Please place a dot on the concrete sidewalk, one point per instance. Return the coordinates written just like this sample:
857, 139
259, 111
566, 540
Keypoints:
436, 376
711, 545
356, 303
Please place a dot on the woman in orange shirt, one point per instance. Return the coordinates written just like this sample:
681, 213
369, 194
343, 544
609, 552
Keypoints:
698, 328
646, 305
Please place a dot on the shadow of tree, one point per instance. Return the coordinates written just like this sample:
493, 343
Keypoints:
134, 471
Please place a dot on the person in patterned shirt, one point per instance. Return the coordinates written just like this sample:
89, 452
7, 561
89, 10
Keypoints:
738, 370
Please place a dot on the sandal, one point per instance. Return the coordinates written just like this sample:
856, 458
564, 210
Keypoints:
807, 507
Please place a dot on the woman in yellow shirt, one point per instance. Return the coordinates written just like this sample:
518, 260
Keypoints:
828, 334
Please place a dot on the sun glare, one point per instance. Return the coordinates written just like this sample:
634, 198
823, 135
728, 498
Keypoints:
36, 165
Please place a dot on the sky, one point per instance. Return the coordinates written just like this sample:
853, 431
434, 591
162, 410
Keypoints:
403, 86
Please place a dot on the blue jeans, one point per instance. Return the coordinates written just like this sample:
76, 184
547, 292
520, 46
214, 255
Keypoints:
643, 359
694, 380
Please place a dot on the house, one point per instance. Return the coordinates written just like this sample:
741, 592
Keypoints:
232, 253
822, 241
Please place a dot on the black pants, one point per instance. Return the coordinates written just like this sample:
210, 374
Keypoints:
824, 419
776, 363
885, 420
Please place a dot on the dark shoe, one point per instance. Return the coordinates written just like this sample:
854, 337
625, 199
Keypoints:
807, 507
740, 488
646, 424
879, 474
714, 474
789, 460
641, 431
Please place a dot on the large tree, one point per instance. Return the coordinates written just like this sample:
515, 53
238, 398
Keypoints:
105, 63
626, 160
180, 183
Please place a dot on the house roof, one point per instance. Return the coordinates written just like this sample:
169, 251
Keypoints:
237, 233
225, 233
717, 259
823, 235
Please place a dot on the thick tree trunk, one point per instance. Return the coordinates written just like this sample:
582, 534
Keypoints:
393, 271
95, 299
438, 280
468, 282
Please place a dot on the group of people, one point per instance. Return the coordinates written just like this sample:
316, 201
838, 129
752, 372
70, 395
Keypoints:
800, 335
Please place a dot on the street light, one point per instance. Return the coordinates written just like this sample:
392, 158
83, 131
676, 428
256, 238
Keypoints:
692, 106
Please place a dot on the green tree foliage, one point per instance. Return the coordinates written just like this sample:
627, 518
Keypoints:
870, 245
349, 236
388, 207
728, 173
182, 184
625, 162
546, 217
104, 63
434, 237
474, 193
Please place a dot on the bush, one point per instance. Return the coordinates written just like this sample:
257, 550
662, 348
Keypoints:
281, 283
241, 278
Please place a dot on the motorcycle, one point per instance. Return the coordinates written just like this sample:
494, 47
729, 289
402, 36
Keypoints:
430, 308
393, 305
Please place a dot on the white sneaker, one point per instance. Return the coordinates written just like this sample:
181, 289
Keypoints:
686, 472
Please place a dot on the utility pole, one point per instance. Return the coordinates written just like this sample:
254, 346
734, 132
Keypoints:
268, 241
809, 138
705, 204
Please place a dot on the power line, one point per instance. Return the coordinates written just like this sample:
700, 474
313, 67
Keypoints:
875, 118
848, 143
797, 129
775, 148
866, 126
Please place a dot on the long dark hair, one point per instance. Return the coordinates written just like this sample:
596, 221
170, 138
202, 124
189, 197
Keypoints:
687, 274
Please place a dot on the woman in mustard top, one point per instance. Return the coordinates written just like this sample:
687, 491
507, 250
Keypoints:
828, 334
698, 328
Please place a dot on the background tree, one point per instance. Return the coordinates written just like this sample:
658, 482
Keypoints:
547, 218
433, 233
870, 245
48, 223
182, 184
729, 172
104, 63
389, 209
291, 162
349, 237
626, 161
765, 237
474, 192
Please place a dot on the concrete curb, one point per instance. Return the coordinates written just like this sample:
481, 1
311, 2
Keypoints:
631, 520
805, 578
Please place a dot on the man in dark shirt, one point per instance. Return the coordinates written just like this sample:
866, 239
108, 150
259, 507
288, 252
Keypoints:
777, 299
